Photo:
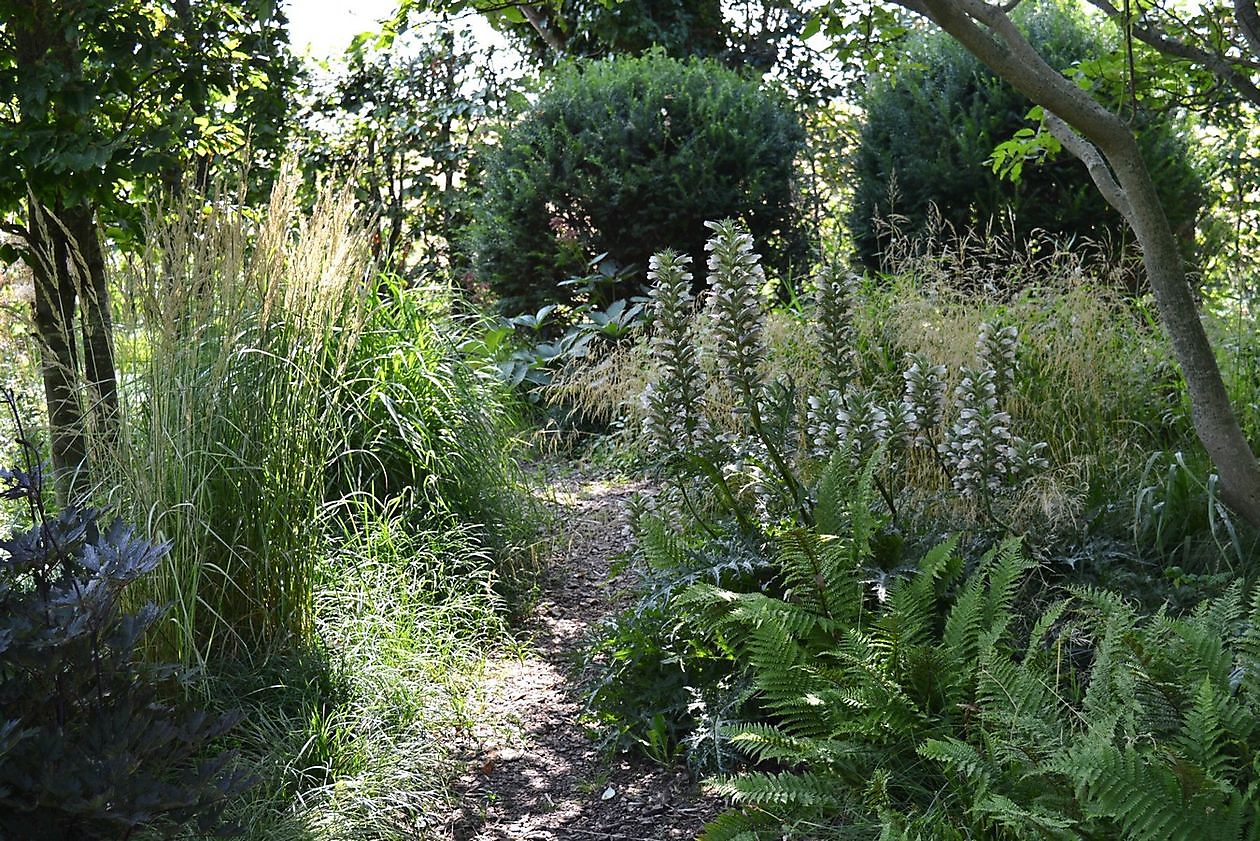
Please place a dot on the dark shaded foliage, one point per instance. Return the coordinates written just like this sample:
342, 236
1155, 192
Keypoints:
94, 741
930, 130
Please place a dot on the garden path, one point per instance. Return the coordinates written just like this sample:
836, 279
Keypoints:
536, 774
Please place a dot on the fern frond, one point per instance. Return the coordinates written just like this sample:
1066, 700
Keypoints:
848, 761
912, 606
962, 758
831, 499
1105, 603
1024, 823
742, 825
1147, 798
757, 610
1204, 654
1005, 568
873, 688
1018, 700
1219, 616
863, 521
776, 791
1201, 738
965, 620
1159, 704
1112, 686
662, 547
821, 575
1044, 625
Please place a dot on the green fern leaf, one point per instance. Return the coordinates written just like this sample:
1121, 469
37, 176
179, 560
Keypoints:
776, 791
1006, 569
961, 758
1201, 739
742, 825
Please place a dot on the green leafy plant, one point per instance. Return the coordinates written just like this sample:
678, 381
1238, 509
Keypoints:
653, 683
849, 678
1156, 743
1091, 720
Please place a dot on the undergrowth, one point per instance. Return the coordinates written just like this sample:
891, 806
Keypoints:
869, 601
332, 466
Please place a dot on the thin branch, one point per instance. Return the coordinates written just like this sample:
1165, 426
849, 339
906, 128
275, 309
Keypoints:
1094, 162
1216, 63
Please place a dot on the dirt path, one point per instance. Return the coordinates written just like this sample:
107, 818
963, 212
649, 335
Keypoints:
541, 777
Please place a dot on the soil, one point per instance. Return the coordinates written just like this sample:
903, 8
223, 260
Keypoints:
536, 774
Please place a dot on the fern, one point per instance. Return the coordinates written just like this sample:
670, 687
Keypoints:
1148, 800
662, 547
912, 602
962, 758
1022, 822
1202, 736
831, 501
847, 699
749, 825
821, 575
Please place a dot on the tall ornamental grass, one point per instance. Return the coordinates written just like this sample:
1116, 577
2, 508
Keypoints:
272, 384
234, 375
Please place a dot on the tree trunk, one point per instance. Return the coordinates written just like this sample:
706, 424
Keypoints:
988, 33
54, 331
95, 320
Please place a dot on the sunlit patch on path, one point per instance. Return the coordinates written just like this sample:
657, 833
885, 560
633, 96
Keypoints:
536, 774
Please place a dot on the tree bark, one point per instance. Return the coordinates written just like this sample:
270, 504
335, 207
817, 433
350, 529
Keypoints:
95, 320
550, 37
1248, 23
54, 331
988, 33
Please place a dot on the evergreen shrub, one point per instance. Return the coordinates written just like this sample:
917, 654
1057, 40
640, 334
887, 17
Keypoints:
929, 131
625, 156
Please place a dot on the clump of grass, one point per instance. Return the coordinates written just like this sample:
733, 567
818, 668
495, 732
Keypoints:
357, 736
336, 479
427, 419
233, 377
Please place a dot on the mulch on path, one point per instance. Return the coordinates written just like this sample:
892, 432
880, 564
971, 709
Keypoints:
540, 776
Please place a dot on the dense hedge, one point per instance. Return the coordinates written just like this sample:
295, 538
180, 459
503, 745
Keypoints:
630, 155
928, 131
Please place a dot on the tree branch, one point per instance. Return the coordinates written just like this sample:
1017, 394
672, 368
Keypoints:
539, 23
1248, 23
1094, 162
1216, 63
